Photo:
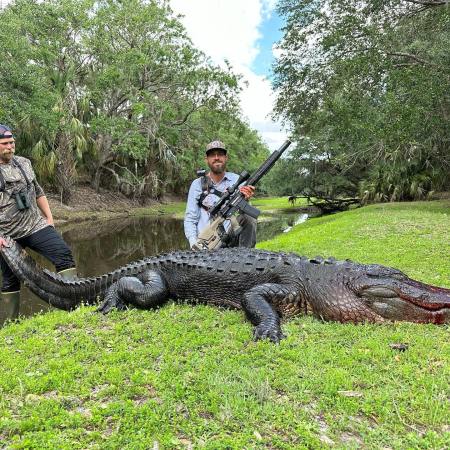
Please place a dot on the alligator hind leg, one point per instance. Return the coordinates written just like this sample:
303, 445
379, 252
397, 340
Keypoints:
146, 291
261, 313
112, 300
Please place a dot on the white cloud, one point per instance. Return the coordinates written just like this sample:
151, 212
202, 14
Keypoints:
228, 30
276, 51
223, 29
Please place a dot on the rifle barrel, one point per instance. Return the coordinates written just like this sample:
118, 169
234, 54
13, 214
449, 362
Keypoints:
267, 165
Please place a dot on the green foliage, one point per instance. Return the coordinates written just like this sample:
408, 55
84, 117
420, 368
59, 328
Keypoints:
396, 182
245, 149
365, 88
304, 171
116, 91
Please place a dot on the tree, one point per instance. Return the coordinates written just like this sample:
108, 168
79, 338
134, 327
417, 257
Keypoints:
367, 84
149, 81
114, 90
50, 55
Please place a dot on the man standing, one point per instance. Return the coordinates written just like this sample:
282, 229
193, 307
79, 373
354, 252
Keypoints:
25, 216
206, 191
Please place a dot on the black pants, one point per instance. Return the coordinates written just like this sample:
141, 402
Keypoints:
247, 236
47, 242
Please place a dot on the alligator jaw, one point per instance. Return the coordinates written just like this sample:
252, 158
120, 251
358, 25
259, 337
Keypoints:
409, 300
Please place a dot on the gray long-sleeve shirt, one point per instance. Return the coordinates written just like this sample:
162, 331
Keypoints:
196, 218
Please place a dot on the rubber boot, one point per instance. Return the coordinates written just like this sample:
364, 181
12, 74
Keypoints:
69, 274
9, 306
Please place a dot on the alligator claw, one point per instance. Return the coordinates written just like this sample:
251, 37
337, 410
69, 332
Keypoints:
263, 332
107, 306
112, 301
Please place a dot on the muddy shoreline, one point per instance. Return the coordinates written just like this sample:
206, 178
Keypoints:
88, 205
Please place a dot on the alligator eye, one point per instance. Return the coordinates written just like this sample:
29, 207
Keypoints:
389, 274
373, 275
397, 275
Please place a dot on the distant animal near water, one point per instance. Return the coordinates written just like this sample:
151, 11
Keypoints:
292, 199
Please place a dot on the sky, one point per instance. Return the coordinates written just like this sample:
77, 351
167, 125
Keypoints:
242, 32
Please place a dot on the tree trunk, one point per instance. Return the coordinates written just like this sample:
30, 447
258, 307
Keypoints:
103, 144
66, 168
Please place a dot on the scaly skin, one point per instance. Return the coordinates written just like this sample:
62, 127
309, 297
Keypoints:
268, 286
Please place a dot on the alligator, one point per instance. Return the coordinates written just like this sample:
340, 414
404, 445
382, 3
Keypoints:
267, 286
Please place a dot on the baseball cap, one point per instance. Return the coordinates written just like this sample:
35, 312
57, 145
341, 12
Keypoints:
216, 145
5, 132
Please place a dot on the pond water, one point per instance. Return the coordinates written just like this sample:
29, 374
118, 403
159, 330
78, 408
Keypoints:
99, 247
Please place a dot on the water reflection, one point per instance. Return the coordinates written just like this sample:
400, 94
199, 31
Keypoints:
99, 247
300, 219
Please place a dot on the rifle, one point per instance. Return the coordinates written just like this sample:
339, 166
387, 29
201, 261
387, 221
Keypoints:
232, 201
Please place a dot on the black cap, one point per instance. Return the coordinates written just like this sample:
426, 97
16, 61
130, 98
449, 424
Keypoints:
5, 132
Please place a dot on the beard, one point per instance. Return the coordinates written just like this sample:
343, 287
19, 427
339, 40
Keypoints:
6, 157
217, 169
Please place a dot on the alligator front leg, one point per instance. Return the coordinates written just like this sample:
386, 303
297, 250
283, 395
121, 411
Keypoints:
147, 291
257, 304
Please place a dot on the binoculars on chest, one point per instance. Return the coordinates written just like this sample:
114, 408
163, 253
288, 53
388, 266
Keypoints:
22, 200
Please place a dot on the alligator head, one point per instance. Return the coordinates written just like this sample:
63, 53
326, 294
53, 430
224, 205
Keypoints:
392, 295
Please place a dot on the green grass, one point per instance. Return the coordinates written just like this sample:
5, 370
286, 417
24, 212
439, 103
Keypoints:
271, 203
413, 237
190, 377
175, 209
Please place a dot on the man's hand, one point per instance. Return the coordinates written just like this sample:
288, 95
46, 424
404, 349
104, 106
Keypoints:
248, 191
3, 243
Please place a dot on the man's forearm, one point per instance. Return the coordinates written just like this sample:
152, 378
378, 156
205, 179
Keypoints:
192, 215
43, 205
190, 230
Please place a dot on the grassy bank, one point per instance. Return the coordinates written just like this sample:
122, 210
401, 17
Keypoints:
190, 377
90, 206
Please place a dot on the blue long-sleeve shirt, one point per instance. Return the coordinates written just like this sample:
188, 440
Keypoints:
196, 218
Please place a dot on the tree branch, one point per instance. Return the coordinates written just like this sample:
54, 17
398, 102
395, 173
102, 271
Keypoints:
186, 116
414, 58
429, 2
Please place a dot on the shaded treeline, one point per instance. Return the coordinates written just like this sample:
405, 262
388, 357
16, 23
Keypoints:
114, 93
365, 87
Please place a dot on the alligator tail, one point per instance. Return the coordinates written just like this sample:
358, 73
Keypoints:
53, 288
